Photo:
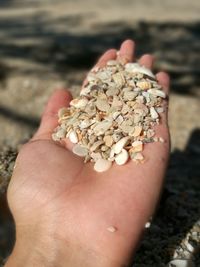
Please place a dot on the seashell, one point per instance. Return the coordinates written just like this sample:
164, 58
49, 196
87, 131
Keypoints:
153, 113
120, 144
80, 150
125, 109
102, 105
157, 92
126, 128
119, 119
135, 67
95, 156
137, 146
104, 75
122, 157
140, 99
85, 91
63, 111
102, 165
61, 133
130, 95
144, 85
116, 137
79, 103
102, 127
91, 77
108, 140
181, 263
85, 124
137, 131
118, 79
112, 91
54, 137
137, 156
73, 137
160, 109
115, 114
96, 145
117, 103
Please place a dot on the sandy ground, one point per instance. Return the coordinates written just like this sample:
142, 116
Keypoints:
44, 45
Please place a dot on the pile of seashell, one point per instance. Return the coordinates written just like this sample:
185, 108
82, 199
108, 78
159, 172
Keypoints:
114, 116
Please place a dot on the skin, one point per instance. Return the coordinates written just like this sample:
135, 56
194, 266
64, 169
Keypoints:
62, 207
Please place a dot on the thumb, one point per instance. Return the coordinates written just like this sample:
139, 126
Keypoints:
60, 98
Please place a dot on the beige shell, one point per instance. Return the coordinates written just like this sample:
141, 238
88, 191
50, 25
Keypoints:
79, 103
157, 92
144, 85
102, 127
102, 165
80, 150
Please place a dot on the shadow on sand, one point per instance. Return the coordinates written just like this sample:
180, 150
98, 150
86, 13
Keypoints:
175, 45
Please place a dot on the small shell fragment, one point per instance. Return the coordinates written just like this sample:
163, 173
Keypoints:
157, 92
102, 127
181, 263
153, 113
79, 103
73, 137
120, 144
122, 157
80, 150
144, 85
137, 146
102, 165
135, 67
62, 111
112, 229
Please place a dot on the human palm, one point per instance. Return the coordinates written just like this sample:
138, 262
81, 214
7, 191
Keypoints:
103, 214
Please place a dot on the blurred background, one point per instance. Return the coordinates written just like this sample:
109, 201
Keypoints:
48, 44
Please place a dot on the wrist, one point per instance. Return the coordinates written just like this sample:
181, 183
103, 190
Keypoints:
44, 251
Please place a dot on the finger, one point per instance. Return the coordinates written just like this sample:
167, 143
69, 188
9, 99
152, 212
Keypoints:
127, 51
147, 61
49, 121
108, 55
164, 80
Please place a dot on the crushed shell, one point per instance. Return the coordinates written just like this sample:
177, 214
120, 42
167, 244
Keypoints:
102, 165
114, 116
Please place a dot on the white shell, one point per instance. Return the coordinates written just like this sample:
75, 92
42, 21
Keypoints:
61, 133
80, 150
135, 67
122, 157
181, 263
157, 92
73, 137
153, 113
102, 165
79, 103
120, 144
102, 127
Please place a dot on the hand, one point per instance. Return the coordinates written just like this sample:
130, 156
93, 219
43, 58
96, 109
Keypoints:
63, 208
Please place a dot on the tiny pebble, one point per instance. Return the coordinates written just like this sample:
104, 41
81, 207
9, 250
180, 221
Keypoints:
112, 229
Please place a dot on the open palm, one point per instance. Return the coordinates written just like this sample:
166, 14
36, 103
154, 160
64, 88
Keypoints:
103, 214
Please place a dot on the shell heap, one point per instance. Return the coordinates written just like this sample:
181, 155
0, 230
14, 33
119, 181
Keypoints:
114, 116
